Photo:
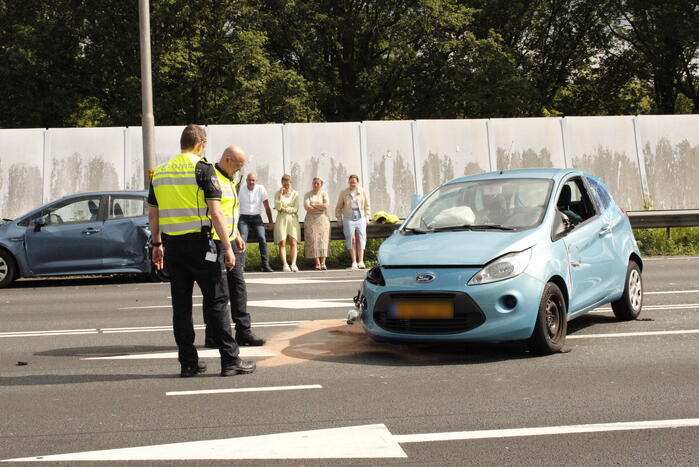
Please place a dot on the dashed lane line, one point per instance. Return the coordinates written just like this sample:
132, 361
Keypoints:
234, 390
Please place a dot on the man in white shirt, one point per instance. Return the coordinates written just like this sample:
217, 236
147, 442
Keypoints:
251, 198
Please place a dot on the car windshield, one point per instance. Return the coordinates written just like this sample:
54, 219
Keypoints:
497, 204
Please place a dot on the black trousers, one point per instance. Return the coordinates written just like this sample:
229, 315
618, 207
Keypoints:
184, 259
239, 298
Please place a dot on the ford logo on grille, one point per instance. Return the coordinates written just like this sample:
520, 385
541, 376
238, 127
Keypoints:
425, 277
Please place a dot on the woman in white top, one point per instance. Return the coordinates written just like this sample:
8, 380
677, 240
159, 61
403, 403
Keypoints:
286, 202
351, 212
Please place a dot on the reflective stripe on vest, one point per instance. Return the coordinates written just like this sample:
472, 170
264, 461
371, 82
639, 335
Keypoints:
229, 203
181, 203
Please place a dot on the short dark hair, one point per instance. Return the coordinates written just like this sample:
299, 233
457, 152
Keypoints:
191, 136
356, 177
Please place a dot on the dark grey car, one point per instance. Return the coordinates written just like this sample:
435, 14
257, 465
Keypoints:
88, 233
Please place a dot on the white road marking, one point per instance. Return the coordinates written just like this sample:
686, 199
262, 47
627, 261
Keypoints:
633, 334
547, 430
246, 352
263, 324
353, 442
60, 332
226, 391
303, 304
679, 306
297, 281
293, 304
670, 292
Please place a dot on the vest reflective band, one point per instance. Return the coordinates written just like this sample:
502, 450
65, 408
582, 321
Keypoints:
229, 203
181, 203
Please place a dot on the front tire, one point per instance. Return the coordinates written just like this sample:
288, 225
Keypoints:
629, 306
8, 269
551, 322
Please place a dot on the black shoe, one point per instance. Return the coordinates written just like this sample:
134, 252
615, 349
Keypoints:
189, 371
210, 344
249, 339
237, 367
267, 268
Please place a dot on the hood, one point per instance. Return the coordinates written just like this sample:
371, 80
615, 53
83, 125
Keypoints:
473, 248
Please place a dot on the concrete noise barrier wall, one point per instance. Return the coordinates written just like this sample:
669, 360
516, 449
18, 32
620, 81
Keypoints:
647, 161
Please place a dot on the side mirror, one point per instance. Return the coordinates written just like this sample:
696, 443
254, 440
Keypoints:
39, 224
561, 225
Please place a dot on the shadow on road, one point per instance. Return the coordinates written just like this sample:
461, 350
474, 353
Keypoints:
48, 380
105, 351
42, 282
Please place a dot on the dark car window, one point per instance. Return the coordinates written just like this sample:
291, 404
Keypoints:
126, 207
574, 201
600, 193
83, 210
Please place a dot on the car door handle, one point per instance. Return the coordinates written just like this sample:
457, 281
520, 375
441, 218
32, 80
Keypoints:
91, 230
575, 264
606, 229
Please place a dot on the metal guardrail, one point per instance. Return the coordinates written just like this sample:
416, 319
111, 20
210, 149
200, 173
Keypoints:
639, 220
659, 219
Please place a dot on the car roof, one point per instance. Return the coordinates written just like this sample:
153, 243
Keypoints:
546, 173
101, 193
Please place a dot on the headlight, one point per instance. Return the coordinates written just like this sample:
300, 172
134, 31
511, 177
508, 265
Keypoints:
505, 267
374, 276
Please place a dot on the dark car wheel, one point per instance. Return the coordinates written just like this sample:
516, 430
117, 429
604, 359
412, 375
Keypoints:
8, 270
551, 322
629, 306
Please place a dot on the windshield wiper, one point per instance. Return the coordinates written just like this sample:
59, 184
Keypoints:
471, 227
414, 230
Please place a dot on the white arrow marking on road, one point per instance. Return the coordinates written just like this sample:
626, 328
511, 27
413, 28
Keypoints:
208, 353
229, 390
547, 430
679, 306
367, 442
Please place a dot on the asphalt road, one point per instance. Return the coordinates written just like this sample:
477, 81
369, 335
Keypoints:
626, 393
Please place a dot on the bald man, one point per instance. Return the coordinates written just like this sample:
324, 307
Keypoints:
253, 197
232, 161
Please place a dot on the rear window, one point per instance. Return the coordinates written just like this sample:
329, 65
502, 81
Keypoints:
600, 193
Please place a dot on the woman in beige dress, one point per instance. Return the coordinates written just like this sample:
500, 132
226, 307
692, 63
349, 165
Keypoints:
286, 227
316, 226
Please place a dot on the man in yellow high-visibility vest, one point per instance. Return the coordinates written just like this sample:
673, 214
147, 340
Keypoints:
232, 161
184, 205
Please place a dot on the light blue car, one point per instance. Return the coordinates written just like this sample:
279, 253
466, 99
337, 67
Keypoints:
504, 256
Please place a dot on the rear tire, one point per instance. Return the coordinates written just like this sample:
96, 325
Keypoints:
551, 325
629, 306
8, 269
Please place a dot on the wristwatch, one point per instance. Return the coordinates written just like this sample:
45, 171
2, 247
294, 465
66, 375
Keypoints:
156, 243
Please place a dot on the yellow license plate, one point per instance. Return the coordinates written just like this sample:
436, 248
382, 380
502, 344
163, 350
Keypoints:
424, 310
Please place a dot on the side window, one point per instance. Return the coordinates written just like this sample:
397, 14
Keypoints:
126, 207
600, 192
574, 201
84, 210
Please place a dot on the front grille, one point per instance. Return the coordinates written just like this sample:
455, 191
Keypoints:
467, 314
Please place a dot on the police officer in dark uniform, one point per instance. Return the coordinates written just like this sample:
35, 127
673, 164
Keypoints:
184, 201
